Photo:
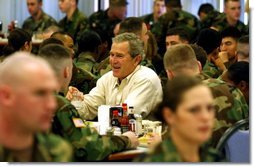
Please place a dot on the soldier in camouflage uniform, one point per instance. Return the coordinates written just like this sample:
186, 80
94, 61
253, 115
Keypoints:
88, 50
158, 9
186, 107
81, 79
229, 101
107, 20
38, 21
88, 144
232, 11
26, 117
75, 21
210, 41
174, 17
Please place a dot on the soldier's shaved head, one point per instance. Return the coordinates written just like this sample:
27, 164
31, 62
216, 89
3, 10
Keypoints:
27, 84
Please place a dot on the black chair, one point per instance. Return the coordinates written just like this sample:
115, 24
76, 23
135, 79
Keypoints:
235, 142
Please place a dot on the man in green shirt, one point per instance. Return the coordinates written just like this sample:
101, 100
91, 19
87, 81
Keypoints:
75, 21
38, 21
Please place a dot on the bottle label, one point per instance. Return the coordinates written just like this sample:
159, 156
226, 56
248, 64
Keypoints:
132, 125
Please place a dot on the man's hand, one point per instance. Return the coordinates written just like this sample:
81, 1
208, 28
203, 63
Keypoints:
133, 139
74, 94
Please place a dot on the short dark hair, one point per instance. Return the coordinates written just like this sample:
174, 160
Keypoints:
200, 54
131, 24
173, 3
55, 55
51, 40
55, 51
61, 33
181, 32
205, 8
238, 72
16, 40
89, 41
231, 32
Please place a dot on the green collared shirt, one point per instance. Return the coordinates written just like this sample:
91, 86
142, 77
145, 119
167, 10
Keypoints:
75, 25
44, 22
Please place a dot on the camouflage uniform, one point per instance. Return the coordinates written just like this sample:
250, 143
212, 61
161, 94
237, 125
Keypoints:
99, 21
210, 19
30, 25
230, 106
75, 26
86, 61
171, 19
220, 23
166, 151
102, 68
88, 144
83, 80
48, 148
213, 71
148, 63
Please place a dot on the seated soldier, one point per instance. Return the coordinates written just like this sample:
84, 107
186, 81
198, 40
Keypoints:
229, 101
88, 144
81, 79
88, 51
237, 75
27, 105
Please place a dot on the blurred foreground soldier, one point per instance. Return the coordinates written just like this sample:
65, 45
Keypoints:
88, 144
188, 110
107, 20
75, 21
229, 102
27, 106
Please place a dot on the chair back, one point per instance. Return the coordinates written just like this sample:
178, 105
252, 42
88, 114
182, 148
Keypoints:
235, 142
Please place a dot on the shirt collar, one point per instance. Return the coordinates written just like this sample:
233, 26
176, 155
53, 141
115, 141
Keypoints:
116, 83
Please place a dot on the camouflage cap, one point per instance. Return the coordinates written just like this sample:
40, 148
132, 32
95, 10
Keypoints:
118, 2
